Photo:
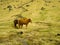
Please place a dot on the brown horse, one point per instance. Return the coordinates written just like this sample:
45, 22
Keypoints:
21, 22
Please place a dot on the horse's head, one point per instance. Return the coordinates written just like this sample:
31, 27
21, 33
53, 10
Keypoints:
30, 20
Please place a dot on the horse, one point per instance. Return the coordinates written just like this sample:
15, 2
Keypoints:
15, 23
21, 22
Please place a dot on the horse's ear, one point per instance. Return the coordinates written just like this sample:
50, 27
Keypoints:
29, 19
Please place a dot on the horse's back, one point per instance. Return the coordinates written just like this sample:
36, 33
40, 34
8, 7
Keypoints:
24, 21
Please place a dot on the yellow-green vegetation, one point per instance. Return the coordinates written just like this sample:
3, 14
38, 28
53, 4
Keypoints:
45, 26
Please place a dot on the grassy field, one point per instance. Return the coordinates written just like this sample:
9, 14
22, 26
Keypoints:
45, 26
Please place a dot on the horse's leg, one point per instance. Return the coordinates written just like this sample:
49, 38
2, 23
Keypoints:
18, 24
21, 26
26, 26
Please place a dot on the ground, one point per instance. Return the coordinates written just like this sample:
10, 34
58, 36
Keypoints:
45, 26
